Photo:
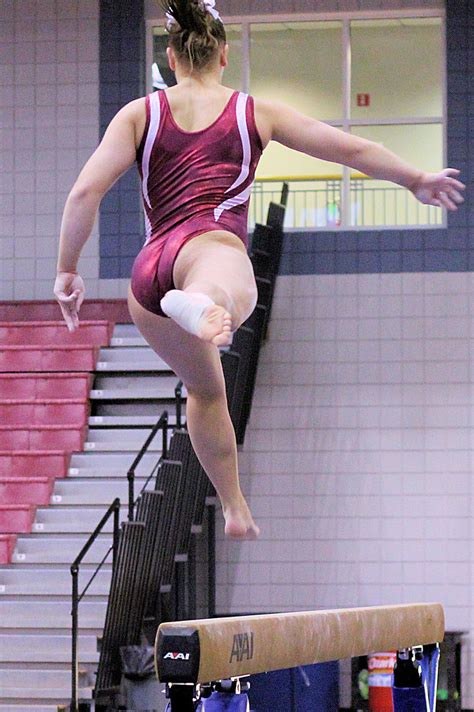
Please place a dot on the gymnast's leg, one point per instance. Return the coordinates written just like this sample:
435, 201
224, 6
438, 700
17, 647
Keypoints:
215, 287
210, 428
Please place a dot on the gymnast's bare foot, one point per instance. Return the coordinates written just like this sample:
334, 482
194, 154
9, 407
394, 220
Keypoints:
215, 325
239, 523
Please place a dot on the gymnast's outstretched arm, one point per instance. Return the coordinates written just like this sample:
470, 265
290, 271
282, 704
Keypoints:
315, 138
113, 157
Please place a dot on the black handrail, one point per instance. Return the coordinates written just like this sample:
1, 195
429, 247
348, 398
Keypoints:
162, 423
114, 510
178, 394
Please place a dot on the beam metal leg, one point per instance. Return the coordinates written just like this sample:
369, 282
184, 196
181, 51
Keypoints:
415, 679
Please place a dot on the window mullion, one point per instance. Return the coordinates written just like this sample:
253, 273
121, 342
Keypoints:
246, 57
346, 95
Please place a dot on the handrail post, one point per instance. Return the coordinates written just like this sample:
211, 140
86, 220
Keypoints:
164, 448
131, 492
211, 560
116, 533
178, 392
75, 625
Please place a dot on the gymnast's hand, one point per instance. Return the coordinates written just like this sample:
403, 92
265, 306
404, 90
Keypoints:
69, 291
439, 189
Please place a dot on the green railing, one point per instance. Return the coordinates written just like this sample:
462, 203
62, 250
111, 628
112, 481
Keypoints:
315, 202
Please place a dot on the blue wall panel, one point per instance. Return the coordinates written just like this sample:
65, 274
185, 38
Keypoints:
122, 63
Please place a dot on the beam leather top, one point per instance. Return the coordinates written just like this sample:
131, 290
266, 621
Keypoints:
206, 650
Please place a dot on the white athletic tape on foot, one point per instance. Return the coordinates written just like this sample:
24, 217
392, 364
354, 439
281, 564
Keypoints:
186, 308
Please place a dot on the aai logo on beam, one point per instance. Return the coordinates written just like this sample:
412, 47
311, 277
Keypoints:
242, 647
177, 656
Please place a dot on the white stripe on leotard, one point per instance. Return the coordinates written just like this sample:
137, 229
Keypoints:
155, 112
241, 111
148, 227
233, 202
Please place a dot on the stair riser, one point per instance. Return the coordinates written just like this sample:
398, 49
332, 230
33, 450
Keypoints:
45, 649
50, 582
68, 493
43, 615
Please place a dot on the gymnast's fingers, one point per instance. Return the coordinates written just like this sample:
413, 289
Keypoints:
446, 201
68, 308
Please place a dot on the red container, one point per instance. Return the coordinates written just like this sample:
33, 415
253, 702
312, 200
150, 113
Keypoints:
380, 681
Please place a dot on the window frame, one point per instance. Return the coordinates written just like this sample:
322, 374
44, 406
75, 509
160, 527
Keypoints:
346, 123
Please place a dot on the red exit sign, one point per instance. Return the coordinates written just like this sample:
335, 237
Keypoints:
363, 99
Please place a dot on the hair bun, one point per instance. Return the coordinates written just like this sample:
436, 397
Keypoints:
195, 29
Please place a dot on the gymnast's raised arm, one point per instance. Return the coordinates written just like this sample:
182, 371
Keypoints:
283, 124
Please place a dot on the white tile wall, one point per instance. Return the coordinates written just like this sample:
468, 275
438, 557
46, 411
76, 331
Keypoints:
359, 453
49, 93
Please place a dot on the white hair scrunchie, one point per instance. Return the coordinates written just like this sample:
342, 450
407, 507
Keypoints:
209, 6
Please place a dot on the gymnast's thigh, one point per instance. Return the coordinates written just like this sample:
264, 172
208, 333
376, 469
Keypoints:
197, 363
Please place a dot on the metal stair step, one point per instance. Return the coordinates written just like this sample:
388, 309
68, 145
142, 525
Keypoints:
71, 520
37, 615
36, 549
116, 462
46, 648
44, 679
135, 357
126, 330
110, 446
84, 491
152, 382
127, 421
135, 435
128, 341
161, 393
51, 580
28, 708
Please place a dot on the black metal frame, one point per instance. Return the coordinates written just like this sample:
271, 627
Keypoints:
113, 510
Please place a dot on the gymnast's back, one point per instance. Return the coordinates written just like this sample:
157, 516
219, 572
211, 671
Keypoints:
197, 158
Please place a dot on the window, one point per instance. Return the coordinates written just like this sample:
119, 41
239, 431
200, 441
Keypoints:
366, 74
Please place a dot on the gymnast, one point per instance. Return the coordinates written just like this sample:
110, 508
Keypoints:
197, 146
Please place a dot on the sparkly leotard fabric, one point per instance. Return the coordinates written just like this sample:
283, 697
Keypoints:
192, 183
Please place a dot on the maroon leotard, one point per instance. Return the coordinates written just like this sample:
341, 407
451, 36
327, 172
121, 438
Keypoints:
192, 182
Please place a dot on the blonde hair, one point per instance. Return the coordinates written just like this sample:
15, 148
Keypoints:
195, 34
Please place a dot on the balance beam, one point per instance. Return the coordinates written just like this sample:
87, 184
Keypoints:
204, 651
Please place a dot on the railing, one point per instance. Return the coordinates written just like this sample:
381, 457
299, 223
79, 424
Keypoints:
178, 395
162, 424
315, 202
113, 510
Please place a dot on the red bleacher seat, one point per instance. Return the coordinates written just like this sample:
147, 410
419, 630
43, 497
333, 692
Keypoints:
20, 359
44, 437
26, 490
7, 547
47, 412
91, 333
34, 463
45, 385
16, 518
